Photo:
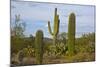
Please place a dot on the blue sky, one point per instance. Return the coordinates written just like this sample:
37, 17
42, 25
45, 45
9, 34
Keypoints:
36, 16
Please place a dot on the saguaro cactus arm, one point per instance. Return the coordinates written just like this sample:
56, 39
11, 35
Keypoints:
49, 28
56, 25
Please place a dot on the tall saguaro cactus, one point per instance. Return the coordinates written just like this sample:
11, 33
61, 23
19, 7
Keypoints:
71, 34
55, 31
39, 47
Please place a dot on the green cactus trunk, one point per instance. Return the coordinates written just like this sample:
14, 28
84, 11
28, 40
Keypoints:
55, 28
39, 47
71, 34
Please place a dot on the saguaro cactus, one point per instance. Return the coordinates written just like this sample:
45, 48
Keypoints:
55, 28
71, 34
39, 47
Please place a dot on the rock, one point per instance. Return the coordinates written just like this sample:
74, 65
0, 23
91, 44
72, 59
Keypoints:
28, 60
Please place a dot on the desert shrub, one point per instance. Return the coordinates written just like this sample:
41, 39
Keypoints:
86, 43
18, 44
24, 56
81, 57
56, 50
28, 52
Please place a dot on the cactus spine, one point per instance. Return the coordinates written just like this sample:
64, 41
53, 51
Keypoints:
55, 28
39, 47
71, 34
